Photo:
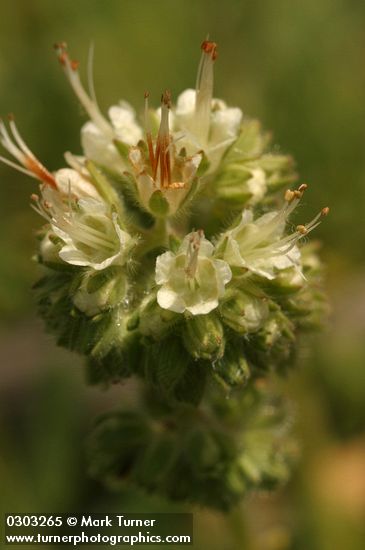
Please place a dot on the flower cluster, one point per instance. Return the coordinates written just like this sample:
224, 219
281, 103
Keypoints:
139, 260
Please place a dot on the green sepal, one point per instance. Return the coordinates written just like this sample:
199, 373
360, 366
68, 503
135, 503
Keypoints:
102, 184
203, 337
122, 148
158, 204
286, 283
194, 188
232, 370
174, 243
229, 184
118, 353
170, 369
273, 346
98, 279
115, 365
203, 166
156, 323
250, 144
55, 266
73, 329
243, 311
135, 213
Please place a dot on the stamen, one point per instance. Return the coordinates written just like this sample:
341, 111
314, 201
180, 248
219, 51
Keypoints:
193, 253
162, 153
284, 245
289, 195
204, 89
90, 75
148, 131
302, 229
41, 172
17, 167
21, 152
8, 144
71, 70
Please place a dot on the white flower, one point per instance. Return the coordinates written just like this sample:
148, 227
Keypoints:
261, 246
162, 172
201, 122
191, 280
70, 181
66, 181
98, 145
90, 233
98, 134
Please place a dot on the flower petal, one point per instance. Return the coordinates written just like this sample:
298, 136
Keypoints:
164, 263
123, 118
70, 180
168, 299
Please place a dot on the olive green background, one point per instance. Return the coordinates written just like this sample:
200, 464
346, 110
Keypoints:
297, 66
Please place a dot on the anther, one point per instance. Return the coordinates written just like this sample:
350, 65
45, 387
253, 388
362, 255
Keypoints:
166, 99
193, 253
325, 211
204, 89
70, 66
289, 195
302, 187
162, 154
148, 132
210, 48
302, 229
61, 48
74, 64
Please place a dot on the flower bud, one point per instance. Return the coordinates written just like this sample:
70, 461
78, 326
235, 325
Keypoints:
154, 321
238, 184
100, 291
247, 172
49, 249
244, 312
287, 282
203, 337
273, 345
232, 369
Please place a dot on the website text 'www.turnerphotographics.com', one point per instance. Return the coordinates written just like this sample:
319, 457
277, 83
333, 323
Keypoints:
107, 529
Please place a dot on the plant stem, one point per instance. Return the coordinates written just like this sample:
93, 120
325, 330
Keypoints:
154, 238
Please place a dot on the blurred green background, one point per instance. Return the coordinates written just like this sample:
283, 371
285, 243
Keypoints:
297, 66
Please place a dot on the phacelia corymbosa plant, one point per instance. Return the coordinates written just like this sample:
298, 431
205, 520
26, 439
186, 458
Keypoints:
170, 254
